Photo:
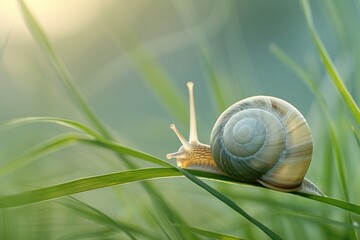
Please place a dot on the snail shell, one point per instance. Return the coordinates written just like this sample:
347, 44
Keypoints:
264, 139
259, 139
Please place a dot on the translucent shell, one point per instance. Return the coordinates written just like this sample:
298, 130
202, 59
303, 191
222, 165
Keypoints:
263, 139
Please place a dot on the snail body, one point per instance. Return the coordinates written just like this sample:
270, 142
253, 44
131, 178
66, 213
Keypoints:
258, 139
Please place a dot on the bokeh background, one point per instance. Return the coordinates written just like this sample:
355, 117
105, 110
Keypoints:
184, 40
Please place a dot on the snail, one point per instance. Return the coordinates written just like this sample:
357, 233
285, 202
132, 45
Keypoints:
259, 139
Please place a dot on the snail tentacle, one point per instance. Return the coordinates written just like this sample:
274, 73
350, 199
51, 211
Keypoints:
193, 138
193, 154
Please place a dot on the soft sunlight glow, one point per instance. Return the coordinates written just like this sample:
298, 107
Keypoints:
58, 17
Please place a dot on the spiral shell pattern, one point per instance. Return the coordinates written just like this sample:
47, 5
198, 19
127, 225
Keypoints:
263, 139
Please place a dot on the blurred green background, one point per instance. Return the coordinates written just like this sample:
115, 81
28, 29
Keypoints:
109, 47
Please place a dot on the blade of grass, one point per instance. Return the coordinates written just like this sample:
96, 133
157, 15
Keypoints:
98, 216
318, 219
62, 141
230, 203
214, 82
60, 121
84, 184
334, 202
356, 135
339, 161
298, 70
329, 65
125, 150
38, 151
159, 83
107, 180
64, 75
167, 227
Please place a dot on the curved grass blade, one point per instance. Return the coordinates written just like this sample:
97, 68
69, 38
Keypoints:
298, 70
356, 135
38, 151
166, 226
64, 75
159, 83
85, 184
214, 82
339, 160
329, 65
63, 141
334, 202
321, 220
91, 183
100, 217
60, 121
230, 203
125, 150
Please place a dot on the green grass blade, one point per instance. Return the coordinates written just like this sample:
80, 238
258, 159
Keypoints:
159, 83
317, 219
161, 226
334, 202
214, 83
117, 148
100, 217
166, 221
211, 234
230, 203
62, 141
295, 67
356, 135
85, 184
339, 160
329, 65
43, 42
60, 121
38, 151
95, 215
91, 183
